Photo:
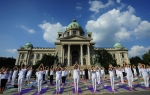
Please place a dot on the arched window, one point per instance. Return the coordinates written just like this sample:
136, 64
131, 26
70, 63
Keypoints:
38, 56
22, 56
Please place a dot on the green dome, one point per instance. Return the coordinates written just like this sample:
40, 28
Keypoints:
117, 45
74, 24
28, 45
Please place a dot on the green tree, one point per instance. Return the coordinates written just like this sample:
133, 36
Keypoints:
135, 60
106, 58
146, 57
8, 62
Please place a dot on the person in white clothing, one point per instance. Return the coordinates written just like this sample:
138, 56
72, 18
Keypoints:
58, 79
98, 75
94, 78
14, 75
129, 76
145, 76
139, 69
51, 75
134, 71
29, 73
10, 76
103, 73
46, 73
76, 76
63, 76
111, 75
21, 77
120, 74
40, 77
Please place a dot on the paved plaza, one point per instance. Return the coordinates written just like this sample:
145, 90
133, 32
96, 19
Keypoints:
103, 89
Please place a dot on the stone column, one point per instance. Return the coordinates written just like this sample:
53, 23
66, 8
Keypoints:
81, 56
120, 55
68, 54
88, 49
61, 53
127, 58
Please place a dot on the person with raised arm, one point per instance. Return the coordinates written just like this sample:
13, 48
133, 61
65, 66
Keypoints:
21, 77
4, 78
129, 76
145, 76
94, 77
29, 73
86, 72
98, 75
40, 77
134, 71
58, 79
46, 73
51, 75
14, 76
103, 74
76, 76
111, 75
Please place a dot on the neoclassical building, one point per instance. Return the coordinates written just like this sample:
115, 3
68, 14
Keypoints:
71, 45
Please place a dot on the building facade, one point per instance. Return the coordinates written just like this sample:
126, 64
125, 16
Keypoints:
71, 45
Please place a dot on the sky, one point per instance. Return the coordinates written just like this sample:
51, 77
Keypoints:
110, 21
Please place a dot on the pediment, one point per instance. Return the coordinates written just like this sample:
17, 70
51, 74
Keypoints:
74, 38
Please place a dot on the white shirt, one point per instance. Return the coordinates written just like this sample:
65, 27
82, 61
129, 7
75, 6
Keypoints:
29, 73
5, 75
40, 75
111, 72
128, 71
83, 73
58, 74
46, 72
22, 73
76, 73
97, 73
15, 72
144, 72
51, 72
102, 72
93, 73
63, 73
134, 70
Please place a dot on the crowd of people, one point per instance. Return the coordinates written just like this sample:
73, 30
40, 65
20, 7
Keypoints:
60, 74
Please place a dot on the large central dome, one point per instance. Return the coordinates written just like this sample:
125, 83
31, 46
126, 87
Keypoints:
74, 25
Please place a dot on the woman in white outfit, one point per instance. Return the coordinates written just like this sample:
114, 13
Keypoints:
129, 76
58, 79
76, 76
134, 71
103, 73
29, 73
98, 75
139, 69
145, 76
46, 73
120, 74
21, 77
14, 75
94, 78
111, 75
40, 77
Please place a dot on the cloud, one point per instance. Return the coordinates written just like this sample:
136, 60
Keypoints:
118, 26
50, 30
78, 7
138, 50
79, 16
118, 1
27, 29
95, 6
11, 50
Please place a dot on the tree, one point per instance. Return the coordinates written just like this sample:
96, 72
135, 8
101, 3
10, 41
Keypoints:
47, 60
146, 57
135, 60
7, 62
106, 58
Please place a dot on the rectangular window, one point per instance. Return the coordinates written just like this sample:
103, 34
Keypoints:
114, 56
67, 33
74, 32
122, 55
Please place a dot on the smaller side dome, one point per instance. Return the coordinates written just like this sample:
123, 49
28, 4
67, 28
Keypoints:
118, 45
28, 45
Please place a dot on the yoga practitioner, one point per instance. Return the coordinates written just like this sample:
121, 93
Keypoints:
94, 78
139, 69
14, 76
145, 76
134, 71
58, 79
51, 75
120, 74
111, 75
40, 77
46, 73
76, 76
103, 73
10, 76
86, 75
63, 75
5, 73
129, 76
98, 75
29, 73
21, 77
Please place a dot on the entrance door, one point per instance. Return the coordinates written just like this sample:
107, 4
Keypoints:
75, 57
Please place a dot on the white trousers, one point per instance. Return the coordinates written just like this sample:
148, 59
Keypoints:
146, 81
112, 81
121, 77
46, 76
98, 79
94, 83
103, 76
58, 85
28, 78
40, 81
9, 78
76, 82
20, 83
13, 80
130, 80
